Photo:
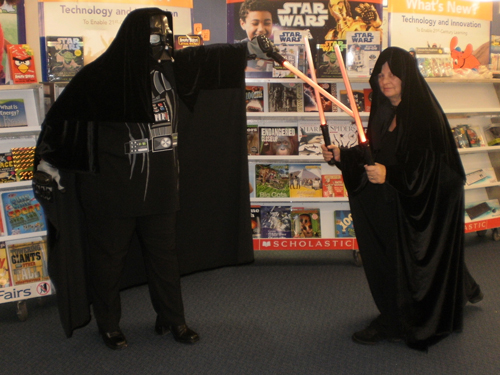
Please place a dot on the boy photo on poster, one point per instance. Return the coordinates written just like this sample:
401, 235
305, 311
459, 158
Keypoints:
326, 19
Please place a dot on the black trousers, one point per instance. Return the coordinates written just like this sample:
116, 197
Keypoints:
109, 243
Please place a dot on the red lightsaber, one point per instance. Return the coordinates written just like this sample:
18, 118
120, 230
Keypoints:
267, 47
363, 141
323, 124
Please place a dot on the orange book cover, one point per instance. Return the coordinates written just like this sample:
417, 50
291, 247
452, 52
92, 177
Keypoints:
21, 63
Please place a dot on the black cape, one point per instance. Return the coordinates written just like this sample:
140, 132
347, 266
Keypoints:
410, 229
214, 222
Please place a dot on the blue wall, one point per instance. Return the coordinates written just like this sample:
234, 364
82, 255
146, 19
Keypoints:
212, 15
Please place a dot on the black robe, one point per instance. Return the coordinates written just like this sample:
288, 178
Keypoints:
214, 222
410, 229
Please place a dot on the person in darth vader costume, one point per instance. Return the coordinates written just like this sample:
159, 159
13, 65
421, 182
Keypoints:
109, 170
408, 210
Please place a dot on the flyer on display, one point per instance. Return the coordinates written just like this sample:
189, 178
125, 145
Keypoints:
98, 21
456, 27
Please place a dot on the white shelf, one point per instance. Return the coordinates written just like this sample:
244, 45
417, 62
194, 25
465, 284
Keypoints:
296, 200
476, 150
23, 236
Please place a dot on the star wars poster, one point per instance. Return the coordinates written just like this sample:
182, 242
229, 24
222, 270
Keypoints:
326, 20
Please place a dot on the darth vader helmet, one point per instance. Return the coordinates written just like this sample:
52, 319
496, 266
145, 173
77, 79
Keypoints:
161, 35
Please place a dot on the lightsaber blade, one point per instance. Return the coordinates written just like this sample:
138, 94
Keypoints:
323, 124
363, 141
350, 95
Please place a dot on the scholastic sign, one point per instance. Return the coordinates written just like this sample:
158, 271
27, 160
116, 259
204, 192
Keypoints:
305, 244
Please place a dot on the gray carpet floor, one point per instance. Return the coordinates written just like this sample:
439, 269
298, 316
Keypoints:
290, 312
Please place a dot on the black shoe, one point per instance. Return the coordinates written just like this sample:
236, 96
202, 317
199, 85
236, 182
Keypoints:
372, 336
181, 333
477, 297
115, 340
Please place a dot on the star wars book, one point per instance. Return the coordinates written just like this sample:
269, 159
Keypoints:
310, 138
272, 181
363, 50
22, 213
305, 180
278, 140
306, 222
344, 227
343, 133
64, 57
275, 221
333, 186
28, 261
286, 97
326, 59
12, 113
7, 170
290, 45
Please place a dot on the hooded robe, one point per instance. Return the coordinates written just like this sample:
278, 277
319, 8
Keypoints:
213, 224
410, 230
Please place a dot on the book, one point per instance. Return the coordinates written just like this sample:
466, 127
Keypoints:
22, 213
7, 170
24, 159
64, 57
333, 186
21, 64
310, 138
344, 227
286, 97
5, 279
482, 210
290, 45
305, 180
326, 58
306, 222
12, 113
252, 138
368, 99
363, 50
188, 40
343, 133
272, 181
255, 221
359, 97
310, 102
278, 140
254, 98
28, 261
275, 222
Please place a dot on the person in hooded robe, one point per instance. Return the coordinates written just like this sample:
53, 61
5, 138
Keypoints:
408, 209
107, 171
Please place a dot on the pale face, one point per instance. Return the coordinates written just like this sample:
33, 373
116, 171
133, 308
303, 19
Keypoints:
257, 23
390, 85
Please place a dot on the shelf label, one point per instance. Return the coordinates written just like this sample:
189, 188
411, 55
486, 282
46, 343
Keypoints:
305, 244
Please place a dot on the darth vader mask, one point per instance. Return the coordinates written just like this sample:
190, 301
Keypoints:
160, 38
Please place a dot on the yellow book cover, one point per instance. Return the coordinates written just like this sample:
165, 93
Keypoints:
28, 261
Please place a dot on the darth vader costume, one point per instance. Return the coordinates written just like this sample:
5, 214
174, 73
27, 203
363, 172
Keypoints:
410, 229
112, 135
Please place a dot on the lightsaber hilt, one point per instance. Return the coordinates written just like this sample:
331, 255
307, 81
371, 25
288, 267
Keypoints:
269, 49
326, 138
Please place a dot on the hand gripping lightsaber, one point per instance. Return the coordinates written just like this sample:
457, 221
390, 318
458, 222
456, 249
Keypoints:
267, 47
